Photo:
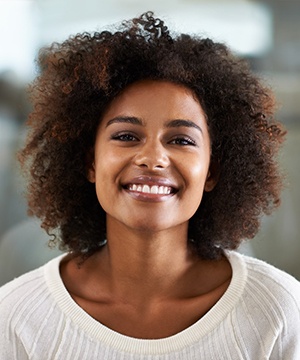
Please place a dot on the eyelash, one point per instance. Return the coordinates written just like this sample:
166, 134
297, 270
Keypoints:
124, 137
179, 140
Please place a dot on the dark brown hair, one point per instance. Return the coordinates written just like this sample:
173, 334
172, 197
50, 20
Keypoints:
80, 77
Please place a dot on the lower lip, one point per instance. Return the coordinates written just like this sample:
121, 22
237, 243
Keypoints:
148, 197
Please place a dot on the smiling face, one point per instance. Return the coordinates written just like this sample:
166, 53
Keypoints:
151, 157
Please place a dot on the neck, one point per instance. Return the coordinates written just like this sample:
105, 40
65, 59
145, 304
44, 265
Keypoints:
142, 274
150, 261
144, 267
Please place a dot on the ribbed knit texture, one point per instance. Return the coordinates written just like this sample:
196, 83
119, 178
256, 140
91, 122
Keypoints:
257, 318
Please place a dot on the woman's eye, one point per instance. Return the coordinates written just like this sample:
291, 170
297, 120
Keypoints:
183, 141
124, 137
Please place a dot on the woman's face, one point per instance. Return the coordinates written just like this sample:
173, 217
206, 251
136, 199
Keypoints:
151, 157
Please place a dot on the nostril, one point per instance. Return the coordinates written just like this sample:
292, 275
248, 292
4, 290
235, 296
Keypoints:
151, 159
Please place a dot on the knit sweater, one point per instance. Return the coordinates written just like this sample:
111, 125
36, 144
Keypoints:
257, 318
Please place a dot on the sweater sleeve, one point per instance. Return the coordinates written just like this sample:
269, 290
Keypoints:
287, 346
17, 302
275, 310
11, 348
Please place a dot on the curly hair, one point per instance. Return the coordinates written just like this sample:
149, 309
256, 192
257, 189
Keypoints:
79, 78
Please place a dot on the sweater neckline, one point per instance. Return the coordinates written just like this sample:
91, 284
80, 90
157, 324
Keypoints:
184, 338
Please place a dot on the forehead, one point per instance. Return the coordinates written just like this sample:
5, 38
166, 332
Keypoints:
153, 97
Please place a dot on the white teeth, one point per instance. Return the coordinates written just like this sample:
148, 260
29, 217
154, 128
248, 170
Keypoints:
155, 189
166, 190
146, 189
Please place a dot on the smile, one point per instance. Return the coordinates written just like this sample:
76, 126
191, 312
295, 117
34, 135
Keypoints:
150, 189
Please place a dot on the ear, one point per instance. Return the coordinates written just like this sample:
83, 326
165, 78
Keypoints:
90, 168
212, 176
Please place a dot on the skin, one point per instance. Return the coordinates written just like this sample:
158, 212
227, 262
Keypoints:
154, 133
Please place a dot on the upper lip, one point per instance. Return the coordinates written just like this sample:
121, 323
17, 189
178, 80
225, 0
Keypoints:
151, 180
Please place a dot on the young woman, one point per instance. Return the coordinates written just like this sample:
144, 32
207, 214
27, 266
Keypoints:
150, 157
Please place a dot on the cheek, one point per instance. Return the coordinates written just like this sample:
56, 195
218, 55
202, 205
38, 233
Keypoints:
195, 183
101, 191
107, 164
107, 176
198, 172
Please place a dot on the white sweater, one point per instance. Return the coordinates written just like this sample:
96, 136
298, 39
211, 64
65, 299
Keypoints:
257, 318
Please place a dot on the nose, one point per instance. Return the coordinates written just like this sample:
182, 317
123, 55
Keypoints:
152, 155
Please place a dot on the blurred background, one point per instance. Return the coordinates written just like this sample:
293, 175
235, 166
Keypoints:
266, 33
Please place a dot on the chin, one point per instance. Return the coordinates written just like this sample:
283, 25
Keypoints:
154, 226
150, 228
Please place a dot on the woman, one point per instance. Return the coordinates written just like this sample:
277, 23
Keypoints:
151, 157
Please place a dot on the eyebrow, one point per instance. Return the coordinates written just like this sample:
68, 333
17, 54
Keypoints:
137, 121
181, 122
125, 119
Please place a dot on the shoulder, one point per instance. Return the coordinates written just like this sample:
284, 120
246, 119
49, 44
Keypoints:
17, 299
23, 295
269, 294
267, 279
21, 287
263, 309
24, 290
26, 306
268, 291
20, 297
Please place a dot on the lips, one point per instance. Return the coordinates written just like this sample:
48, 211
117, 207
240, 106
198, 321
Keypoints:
151, 186
150, 189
